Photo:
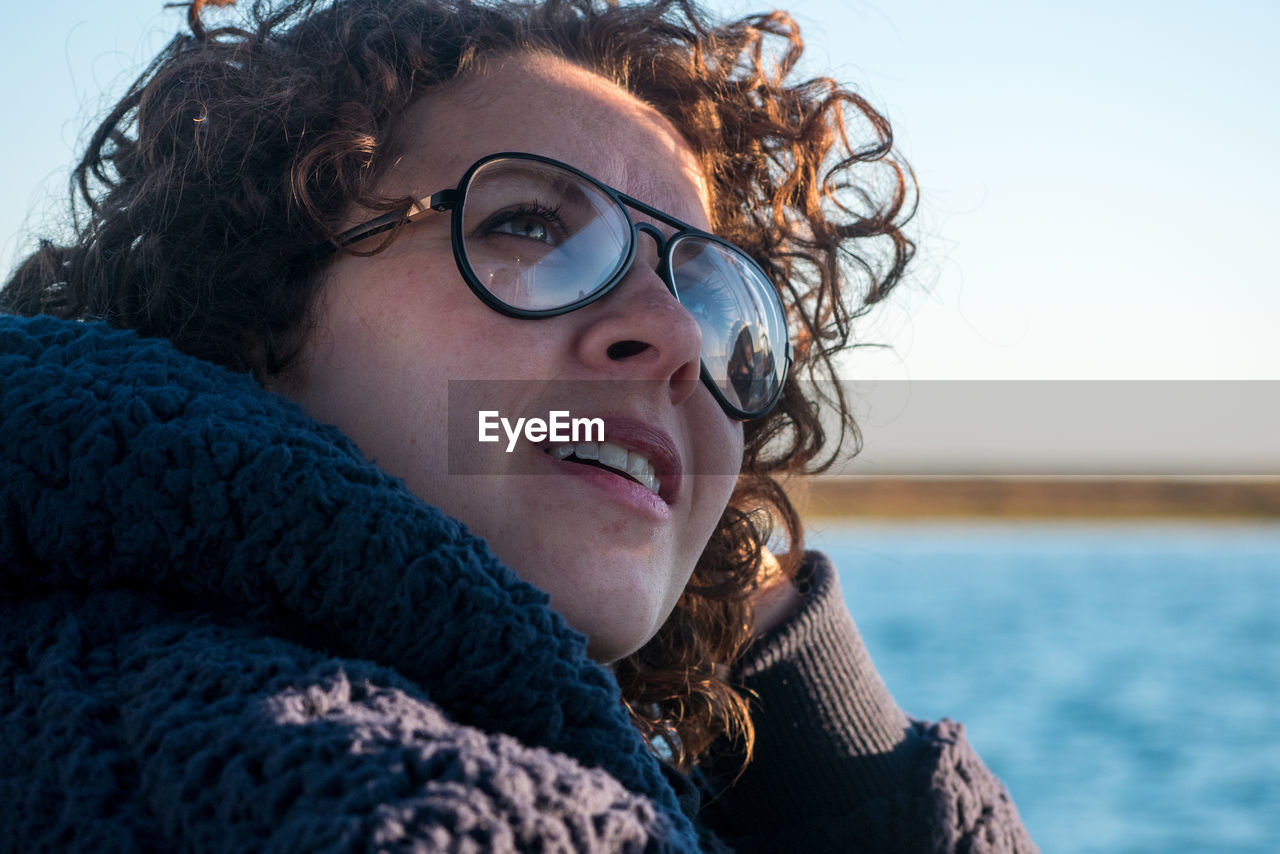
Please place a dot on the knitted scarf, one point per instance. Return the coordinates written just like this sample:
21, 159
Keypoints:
126, 465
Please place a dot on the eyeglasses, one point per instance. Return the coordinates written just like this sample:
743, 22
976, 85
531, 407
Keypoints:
533, 237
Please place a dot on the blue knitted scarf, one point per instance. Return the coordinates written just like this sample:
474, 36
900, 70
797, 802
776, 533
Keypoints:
125, 464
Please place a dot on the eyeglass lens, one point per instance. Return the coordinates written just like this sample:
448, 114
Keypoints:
724, 293
540, 238
537, 238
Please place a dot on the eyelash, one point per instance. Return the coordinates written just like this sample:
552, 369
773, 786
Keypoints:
716, 300
549, 216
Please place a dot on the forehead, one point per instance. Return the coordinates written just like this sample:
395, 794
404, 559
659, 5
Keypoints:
544, 105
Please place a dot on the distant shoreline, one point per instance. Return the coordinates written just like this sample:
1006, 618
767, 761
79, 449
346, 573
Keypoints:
1039, 497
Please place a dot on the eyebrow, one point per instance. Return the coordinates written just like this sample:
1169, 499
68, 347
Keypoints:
561, 185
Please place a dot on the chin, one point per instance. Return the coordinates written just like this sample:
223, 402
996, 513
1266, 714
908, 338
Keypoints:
607, 651
612, 633
617, 621
610, 647
617, 596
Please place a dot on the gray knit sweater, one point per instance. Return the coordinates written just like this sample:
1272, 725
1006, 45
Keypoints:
838, 766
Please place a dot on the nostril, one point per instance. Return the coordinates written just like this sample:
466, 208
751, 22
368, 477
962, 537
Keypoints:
626, 349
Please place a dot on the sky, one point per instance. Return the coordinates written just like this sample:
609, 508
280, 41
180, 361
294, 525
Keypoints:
1100, 194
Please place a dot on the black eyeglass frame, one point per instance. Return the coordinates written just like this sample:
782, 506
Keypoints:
451, 201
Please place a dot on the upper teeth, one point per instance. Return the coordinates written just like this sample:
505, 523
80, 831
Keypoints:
613, 456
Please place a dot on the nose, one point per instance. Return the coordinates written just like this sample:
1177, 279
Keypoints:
639, 331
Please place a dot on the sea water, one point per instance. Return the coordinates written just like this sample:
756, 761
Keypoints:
1123, 680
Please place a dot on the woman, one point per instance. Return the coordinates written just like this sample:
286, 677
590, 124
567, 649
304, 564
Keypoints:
227, 626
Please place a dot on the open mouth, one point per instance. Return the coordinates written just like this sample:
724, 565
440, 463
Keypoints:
629, 464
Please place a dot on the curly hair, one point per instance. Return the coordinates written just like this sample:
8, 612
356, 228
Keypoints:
201, 201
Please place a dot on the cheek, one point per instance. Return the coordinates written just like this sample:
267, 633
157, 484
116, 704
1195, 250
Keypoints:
732, 464
399, 321
719, 463
728, 445
366, 365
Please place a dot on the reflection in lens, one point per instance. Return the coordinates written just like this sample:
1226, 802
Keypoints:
739, 315
750, 368
540, 238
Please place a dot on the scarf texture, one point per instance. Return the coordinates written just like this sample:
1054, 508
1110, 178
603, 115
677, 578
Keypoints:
222, 625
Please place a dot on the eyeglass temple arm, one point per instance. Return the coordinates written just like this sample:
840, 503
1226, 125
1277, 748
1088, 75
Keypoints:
436, 202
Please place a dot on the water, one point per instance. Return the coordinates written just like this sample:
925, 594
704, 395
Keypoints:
1123, 680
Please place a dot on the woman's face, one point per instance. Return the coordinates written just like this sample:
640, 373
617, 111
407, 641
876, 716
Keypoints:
394, 329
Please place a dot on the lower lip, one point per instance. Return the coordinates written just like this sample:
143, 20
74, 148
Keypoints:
617, 487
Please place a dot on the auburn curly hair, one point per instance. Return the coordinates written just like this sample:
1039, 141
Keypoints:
203, 196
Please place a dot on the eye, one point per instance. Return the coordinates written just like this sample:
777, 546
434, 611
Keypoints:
705, 294
708, 304
531, 221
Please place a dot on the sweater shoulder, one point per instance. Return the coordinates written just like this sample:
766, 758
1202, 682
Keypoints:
838, 766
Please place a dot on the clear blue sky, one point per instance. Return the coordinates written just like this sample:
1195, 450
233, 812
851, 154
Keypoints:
1100, 182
